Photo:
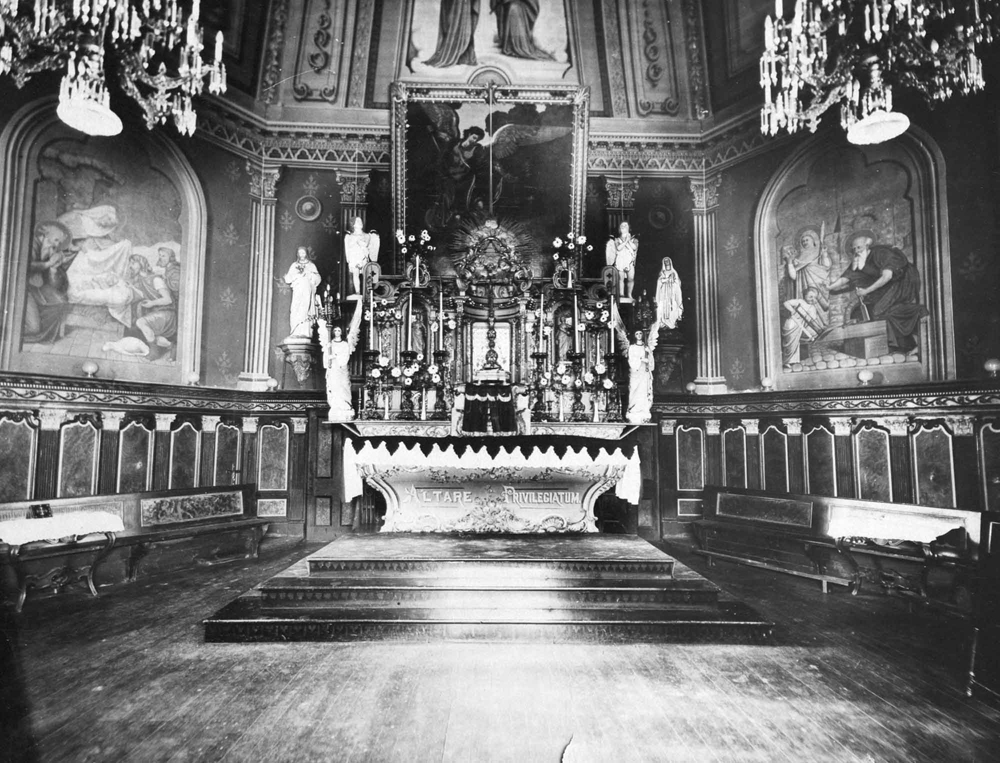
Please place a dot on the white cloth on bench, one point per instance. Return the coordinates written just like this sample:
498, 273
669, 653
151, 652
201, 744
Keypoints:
17, 532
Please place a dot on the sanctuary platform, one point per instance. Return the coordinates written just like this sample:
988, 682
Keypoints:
590, 588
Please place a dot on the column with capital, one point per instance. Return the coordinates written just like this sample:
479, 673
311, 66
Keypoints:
754, 467
107, 463
705, 192
714, 467
47, 454
161, 450
843, 449
796, 456
209, 425
257, 353
248, 467
900, 458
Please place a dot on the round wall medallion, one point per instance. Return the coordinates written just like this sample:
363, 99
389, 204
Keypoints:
308, 208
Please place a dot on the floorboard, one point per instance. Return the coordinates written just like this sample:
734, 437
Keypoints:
127, 677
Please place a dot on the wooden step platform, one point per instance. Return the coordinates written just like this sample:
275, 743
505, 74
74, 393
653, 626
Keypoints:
431, 587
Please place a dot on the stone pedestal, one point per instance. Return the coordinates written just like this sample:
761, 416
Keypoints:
303, 355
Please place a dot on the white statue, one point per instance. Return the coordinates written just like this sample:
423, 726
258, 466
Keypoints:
620, 254
640, 373
304, 279
337, 353
669, 306
360, 248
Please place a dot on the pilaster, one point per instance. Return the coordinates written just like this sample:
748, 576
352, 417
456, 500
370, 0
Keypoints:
705, 192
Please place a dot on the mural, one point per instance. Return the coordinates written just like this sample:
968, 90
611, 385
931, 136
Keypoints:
845, 249
514, 40
105, 262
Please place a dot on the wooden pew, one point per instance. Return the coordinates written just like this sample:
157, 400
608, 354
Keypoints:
171, 529
925, 553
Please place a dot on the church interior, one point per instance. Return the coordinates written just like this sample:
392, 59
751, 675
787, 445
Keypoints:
513, 380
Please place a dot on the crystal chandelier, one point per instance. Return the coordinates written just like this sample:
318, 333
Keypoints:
153, 48
854, 52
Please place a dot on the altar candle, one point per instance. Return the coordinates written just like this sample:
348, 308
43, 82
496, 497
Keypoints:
441, 320
541, 320
409, 321
576, 319
416, 273
371, 318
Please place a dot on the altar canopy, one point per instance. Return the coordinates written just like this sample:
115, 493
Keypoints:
509, 490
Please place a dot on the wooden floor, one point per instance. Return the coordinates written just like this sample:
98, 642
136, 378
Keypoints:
127, 677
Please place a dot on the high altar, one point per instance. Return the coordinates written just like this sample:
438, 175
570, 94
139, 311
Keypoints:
489, 315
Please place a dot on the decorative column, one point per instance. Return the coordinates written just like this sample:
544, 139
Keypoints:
161, 451
209, 427
843, 451
47, 465
796, 456
107, 463
261, 285
713, 452
354, 203
298, 470
968, 466
709, 379
900, 458
248, 468
754, 469
667, 473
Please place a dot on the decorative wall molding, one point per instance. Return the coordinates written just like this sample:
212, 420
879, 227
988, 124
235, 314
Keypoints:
654, 70
694, 45
272, 54
320, 51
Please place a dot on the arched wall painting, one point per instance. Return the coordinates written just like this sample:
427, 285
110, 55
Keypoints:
834, 220
102, 252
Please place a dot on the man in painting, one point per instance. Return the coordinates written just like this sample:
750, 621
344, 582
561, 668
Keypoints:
806, 319
516, 29
45, 298
887, 287
456, 32
167, 260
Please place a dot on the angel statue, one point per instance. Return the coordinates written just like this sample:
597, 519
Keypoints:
360, 248
620, 253
337, 353
640, 373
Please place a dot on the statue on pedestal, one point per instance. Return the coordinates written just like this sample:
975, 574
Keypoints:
337, 351
640, 372
669, 305
304, 279
620, 253
360, 248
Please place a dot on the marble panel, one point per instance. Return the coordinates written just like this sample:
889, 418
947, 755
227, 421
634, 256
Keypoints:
17, 449
734, 449
324, 451
872, 453
990, 448
184, 442
324, 511
77, 460
227, 453
135, 459
786, 511
273, 463
272, 507
821, 474
690, 459
934, 468
774, 458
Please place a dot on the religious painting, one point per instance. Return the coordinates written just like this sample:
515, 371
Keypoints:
523, 41
852, 271
514, 157
105, 261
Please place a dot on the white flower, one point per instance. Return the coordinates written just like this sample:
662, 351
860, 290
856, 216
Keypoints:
561, 368
605, 316
433, 368
383, 360
436, 378
543, 382
588, 314
425, 236
451, 323
571, 245
408, 371
588, 377
581, 240
407, 381
565, 379
557, 243
396, 373
399, 315
555, 256
399, 236
368, 315
600, 305
411, 237
420, 357
590, 248
376, 373
546, 330
599, 369
577, 383
608, 384
404, 250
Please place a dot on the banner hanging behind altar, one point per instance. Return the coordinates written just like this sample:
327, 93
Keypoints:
516, 490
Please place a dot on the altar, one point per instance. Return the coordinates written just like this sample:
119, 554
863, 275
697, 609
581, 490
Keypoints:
476, 489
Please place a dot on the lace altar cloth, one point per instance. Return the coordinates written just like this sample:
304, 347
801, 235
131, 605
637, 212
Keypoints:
17, 532
505, 489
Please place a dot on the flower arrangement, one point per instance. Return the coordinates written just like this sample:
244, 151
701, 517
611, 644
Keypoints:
413, 244
596, 379
597, 317
386, 313
565, 250
416, 374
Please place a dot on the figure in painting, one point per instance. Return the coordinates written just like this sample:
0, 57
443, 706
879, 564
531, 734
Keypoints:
807, 318
516, 29
620, 253
808, 265
304, 279
887, 287
461, 164
154, 304
669, 305
337, 351
45, 298
360, 248
457, 23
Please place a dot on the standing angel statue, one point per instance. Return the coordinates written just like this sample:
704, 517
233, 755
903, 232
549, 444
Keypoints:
304, 278
669, 306
360, 248
337, 353
640, 372
620, 253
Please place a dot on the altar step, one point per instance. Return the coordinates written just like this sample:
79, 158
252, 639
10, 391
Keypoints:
591, 588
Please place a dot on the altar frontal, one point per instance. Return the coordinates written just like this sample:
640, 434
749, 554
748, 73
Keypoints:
514, 490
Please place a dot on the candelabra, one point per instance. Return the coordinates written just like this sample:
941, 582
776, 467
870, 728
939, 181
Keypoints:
406, 409
539, 411
440, 412
578, 411
372, 386
613, 410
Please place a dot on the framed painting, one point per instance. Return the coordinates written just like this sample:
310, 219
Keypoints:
853, 267
102, 252
467, 154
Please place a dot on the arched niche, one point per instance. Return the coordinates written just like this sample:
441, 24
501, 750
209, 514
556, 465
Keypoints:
57, 184
830, 190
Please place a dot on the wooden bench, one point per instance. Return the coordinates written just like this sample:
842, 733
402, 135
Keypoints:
177, 527
926, 553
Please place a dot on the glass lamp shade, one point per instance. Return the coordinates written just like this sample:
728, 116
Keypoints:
89, 117
878, 127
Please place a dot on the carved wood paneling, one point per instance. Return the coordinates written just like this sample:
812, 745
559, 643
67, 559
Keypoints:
320, 56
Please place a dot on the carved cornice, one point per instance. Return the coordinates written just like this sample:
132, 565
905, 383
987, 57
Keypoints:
643, 155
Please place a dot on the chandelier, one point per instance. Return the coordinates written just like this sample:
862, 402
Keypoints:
152, 47
855, 52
